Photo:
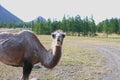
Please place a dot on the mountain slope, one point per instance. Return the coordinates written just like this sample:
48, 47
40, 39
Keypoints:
6, 16
39, 19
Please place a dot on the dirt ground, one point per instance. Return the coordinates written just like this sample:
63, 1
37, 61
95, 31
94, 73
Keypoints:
112, 54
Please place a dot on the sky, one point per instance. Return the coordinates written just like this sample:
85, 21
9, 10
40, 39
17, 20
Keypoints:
28, 10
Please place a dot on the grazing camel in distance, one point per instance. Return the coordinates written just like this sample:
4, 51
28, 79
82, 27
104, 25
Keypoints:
24, 49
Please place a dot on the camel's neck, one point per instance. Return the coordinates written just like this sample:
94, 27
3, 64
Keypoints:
51, 57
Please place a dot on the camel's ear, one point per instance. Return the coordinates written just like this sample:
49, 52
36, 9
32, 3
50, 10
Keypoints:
53, 35
64, 35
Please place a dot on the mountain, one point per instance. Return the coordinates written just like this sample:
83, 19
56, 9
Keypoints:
40, 19
6, 16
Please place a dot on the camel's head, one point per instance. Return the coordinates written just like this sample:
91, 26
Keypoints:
58, 37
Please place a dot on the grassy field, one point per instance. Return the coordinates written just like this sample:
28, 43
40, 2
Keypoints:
77, 62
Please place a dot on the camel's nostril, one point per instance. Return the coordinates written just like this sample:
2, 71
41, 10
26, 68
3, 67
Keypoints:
58, 39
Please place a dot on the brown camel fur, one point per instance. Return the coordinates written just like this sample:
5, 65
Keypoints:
24, 49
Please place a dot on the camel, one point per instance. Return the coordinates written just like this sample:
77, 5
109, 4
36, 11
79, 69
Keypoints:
23, 49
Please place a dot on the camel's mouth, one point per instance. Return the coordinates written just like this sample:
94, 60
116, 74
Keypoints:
59, 44
59, 41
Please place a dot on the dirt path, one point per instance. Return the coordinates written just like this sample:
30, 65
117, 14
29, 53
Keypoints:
112, 53
113, 63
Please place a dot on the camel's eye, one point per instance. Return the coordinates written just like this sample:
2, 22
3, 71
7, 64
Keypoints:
53, 36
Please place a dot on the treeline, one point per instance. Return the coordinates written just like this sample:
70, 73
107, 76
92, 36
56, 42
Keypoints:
109, 26
71, 25
75, 26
